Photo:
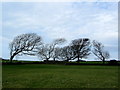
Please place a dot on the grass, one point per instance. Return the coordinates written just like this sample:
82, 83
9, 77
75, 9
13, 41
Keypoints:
59, 76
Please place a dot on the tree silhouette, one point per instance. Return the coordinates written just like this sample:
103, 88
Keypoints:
66, 53
56, 53
47, 51
98, 50
81, 48
24, 44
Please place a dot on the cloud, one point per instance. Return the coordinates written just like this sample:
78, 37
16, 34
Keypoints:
71, 20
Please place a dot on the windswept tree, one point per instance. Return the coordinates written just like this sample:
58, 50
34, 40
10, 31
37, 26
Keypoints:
66, 53
47, 51
81, 48
56, 53
58, 41
24, 44
98, 50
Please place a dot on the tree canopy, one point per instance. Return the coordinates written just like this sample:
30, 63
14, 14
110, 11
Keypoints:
24, 44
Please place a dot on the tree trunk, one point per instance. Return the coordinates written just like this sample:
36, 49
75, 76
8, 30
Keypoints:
103, 61
11, 58
47, 59
54, 59
67, 60
78, 59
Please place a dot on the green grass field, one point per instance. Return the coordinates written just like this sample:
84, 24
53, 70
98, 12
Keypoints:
59, 76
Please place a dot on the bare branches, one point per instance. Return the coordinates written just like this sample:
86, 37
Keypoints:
47, 51
59, 41
99, 51
44, 51
66, 53
24, 44
81, 48
30, 44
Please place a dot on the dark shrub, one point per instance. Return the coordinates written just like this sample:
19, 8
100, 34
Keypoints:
113, 62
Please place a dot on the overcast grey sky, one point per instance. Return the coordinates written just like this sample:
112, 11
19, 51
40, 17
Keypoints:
70, 20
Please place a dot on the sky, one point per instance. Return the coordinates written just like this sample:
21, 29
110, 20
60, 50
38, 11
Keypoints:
69, 20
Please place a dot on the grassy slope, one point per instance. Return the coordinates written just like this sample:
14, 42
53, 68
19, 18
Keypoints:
59, 76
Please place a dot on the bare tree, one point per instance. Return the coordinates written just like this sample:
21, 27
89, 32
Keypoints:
98, 50
66, 53
81, 48
24, 44
58, 41
56, 53
47, 51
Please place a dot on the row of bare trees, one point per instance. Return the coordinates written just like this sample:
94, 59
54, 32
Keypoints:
31, 44
47, 51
